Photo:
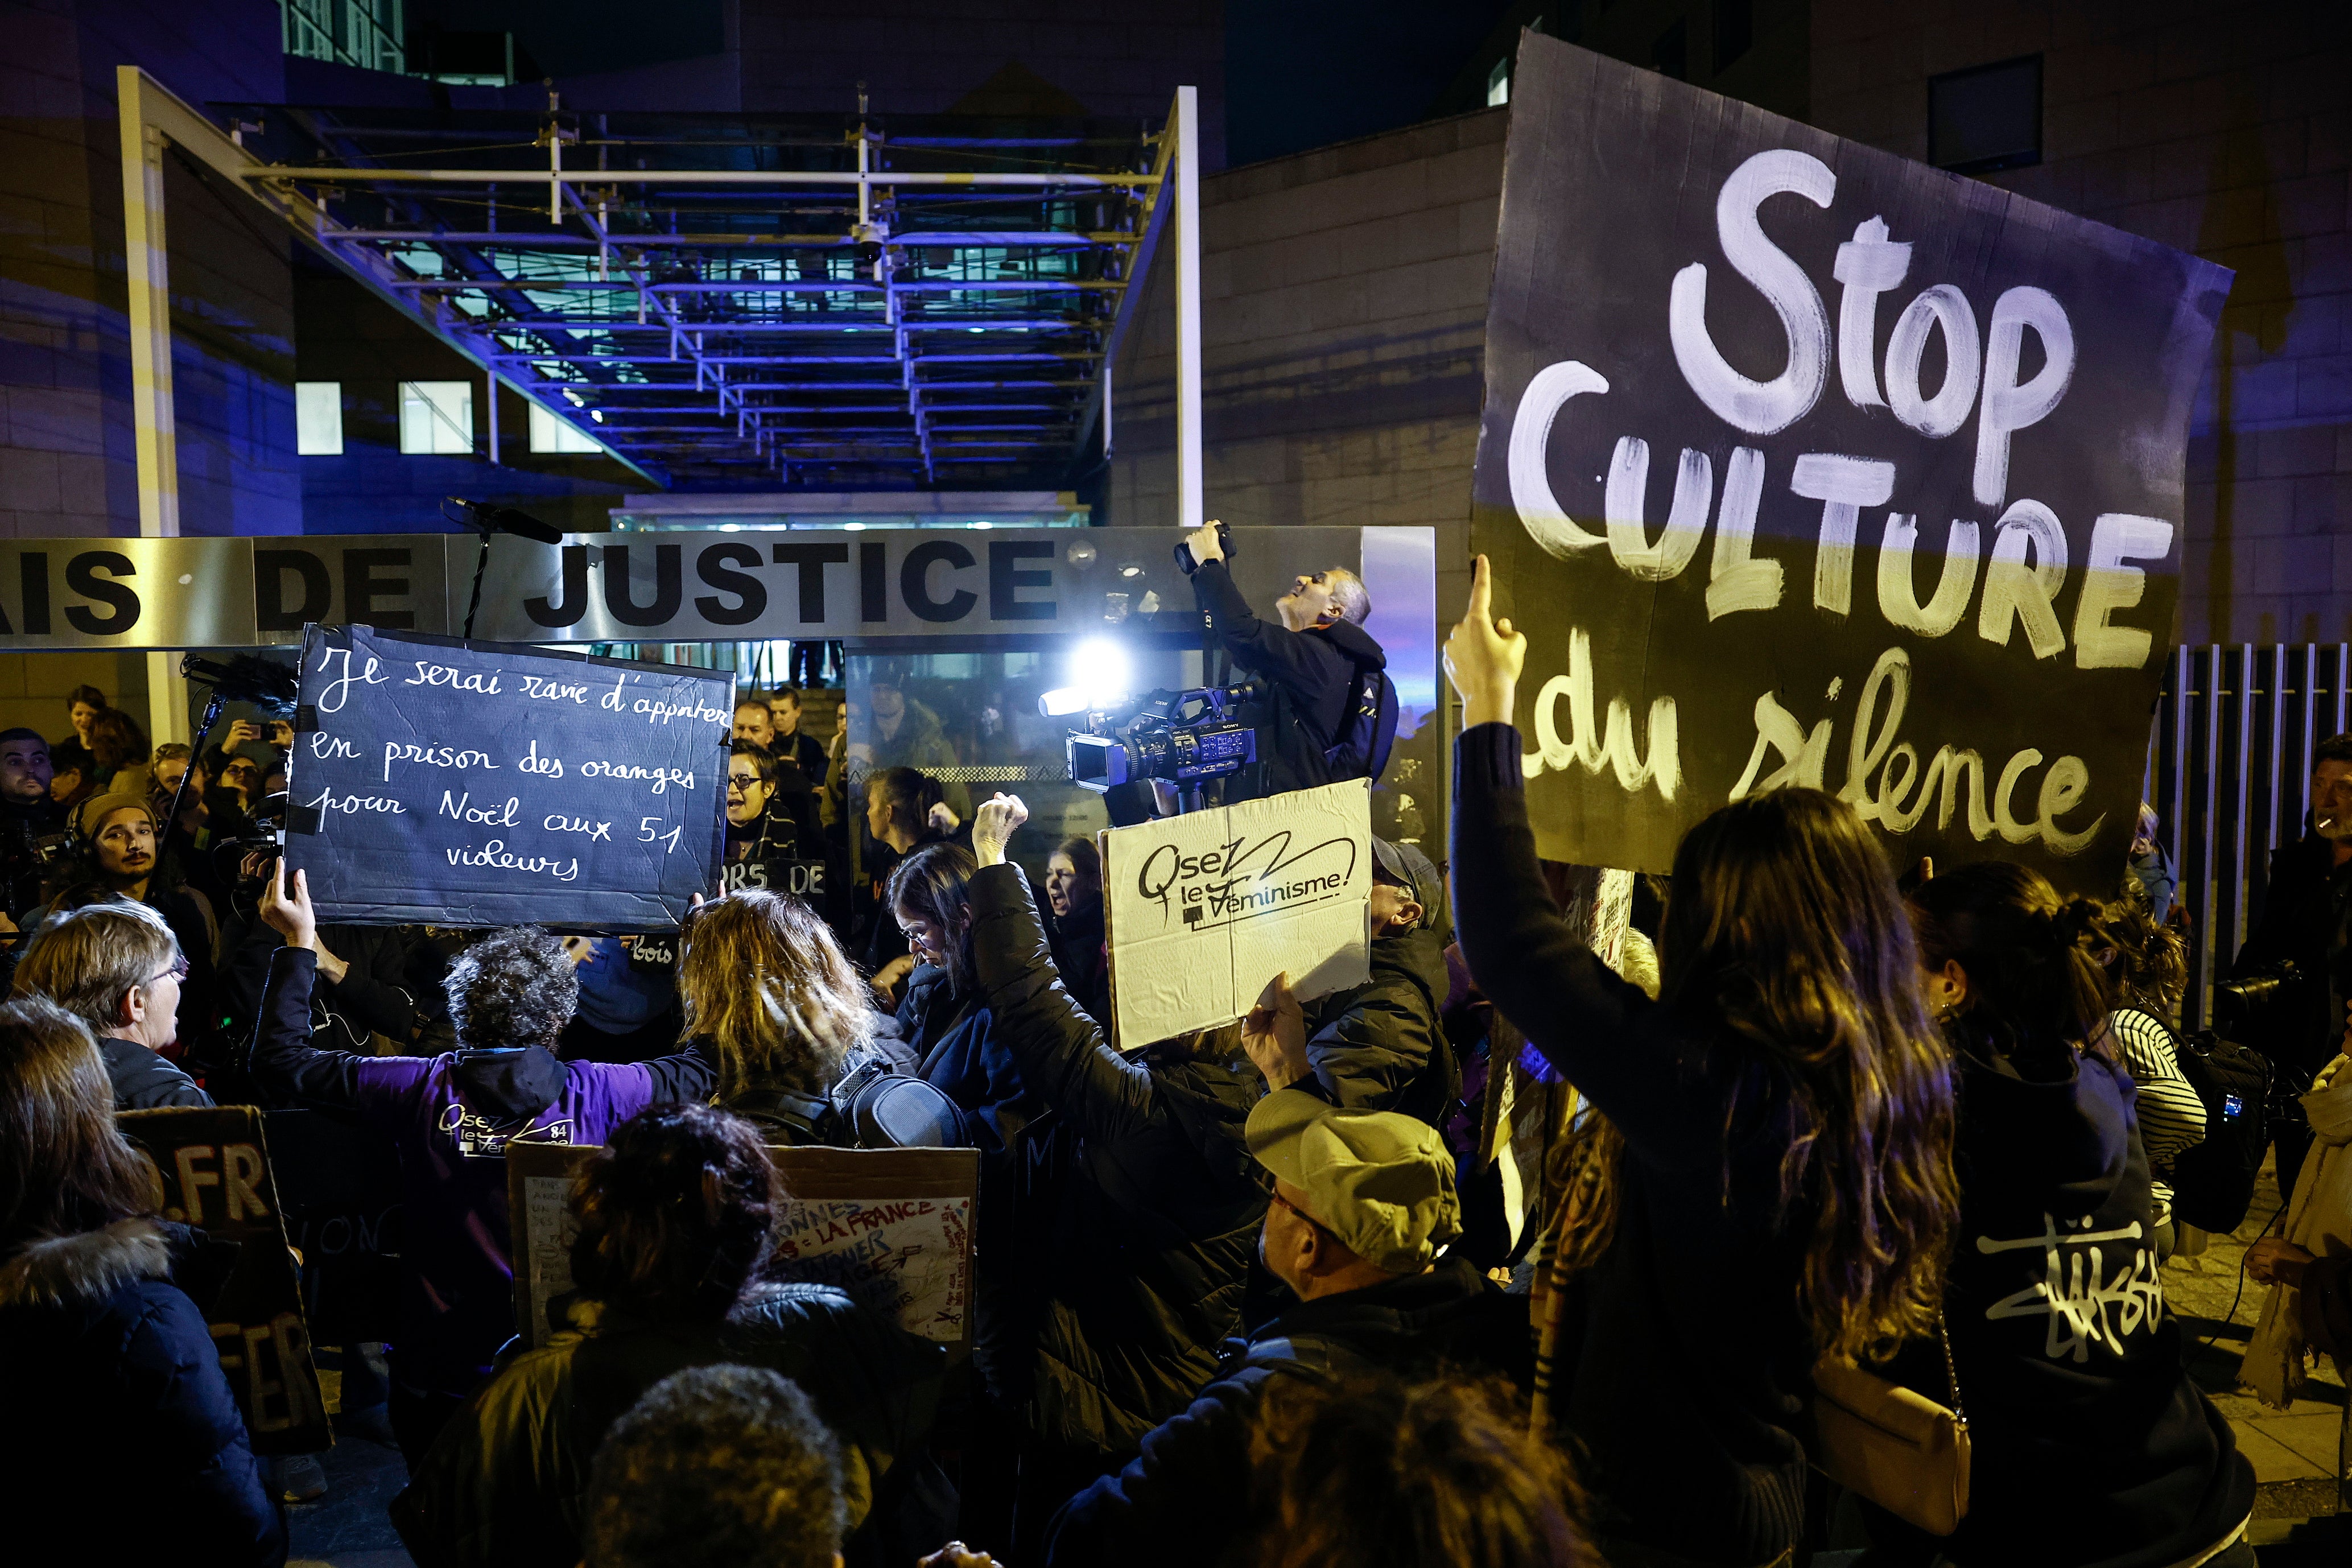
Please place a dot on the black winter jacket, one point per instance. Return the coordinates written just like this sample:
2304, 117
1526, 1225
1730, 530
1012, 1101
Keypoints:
1688, 1387
1312, 674
1160, 1215
1185, 1497
505, 1483
373, 997
145, 1081
1379, 1046
2092, 1446
2306, 921
122, 1432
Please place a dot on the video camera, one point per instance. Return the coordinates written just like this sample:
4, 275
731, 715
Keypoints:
2242, 1007
1180, 737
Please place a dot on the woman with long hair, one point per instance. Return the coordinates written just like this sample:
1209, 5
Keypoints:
2148, 971
763, 978
902, 814
944, 1017
103, 1346
1781, 1187
2093, 1447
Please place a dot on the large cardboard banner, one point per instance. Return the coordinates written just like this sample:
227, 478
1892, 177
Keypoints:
1205, 908
1802, 463
209, 1167
892, 1227
455, 783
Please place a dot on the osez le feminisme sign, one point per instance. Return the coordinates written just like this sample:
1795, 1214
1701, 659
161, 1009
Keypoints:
1803, 464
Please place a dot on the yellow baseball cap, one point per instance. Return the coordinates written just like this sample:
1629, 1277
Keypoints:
1381, 1182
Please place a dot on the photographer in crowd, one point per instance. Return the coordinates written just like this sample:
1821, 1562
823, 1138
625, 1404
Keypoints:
2294, 965
1323, 671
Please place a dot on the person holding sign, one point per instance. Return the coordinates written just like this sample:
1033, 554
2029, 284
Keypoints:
1787, 1115
675, 1219
1163, 1209
119, 1418
450, 1116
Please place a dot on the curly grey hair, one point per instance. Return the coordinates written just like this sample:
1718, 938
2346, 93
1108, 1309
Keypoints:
513, 987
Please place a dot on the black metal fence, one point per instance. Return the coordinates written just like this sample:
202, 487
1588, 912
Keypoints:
2229, 772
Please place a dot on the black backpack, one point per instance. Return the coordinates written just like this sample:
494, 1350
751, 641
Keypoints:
873, 1107
1367, 728
2213, 1183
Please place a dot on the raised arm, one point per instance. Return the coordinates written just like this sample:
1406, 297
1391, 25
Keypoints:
1061, 1051
1571, 1005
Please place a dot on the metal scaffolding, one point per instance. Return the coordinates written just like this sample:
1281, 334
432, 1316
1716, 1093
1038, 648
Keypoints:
723, 301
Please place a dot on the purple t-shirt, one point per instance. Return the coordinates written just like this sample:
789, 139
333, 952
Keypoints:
458, 1290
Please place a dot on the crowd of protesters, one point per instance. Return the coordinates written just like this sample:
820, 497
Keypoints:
1254, 1294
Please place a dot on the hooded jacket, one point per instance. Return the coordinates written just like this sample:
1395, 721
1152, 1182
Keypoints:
1185, 1497
1158, 1219
450, 1119
2092, 1446
121, 1426
1312, 674
506, 1482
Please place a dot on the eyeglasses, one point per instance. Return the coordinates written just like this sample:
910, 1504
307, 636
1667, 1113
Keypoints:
736, 782
1276, 1196
178, 971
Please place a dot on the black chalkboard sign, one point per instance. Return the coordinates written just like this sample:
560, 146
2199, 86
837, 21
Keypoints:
460, 783
1802, 464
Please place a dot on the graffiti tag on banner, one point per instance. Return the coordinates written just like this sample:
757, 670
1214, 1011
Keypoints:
889, 1227
208, 1167
1928, 561
1205, 907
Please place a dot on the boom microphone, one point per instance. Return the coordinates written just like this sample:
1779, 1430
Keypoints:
485, 520
247, 677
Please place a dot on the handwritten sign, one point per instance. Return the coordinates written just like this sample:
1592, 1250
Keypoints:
209, 1167
892, 1227
1803, 464
479, 785
1205, 908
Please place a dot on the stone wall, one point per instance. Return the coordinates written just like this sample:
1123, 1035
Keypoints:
2224, 129
1344, 310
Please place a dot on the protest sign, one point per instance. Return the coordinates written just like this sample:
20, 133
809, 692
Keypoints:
1802, 463
892, 1227
1205, 908
209, 1167
342, 1212
455, 783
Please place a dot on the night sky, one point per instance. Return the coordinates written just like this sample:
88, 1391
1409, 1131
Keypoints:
1305, 73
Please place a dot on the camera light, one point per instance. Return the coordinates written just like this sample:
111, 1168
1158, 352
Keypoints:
1100, 665
1062, 701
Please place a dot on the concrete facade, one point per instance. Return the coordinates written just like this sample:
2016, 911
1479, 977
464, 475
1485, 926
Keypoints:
2221, 128
1344, 314
65, 458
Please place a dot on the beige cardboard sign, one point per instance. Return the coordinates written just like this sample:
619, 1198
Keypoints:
1205, 908
892, 1227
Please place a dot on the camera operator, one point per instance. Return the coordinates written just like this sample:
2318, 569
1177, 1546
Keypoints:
1318, 662
28, 817
2301, 943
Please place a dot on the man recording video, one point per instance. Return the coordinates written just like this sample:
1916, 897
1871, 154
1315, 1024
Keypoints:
1331, 712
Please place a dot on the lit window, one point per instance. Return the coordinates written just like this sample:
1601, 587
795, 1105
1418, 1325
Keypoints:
436, 417
319, 419
1986, 118
1498, 84
549, 434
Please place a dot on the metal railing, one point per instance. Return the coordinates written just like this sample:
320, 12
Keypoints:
2229, 771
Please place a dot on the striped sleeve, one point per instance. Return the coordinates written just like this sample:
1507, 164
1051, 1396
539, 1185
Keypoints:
2171, 1116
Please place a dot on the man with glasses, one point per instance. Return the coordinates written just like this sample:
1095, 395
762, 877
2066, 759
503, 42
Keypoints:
1322, 669
118, 968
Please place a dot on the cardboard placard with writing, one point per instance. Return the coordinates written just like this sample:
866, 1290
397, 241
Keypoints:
1803, 463
892, 1227
209, 1167
458, 783
1205, 908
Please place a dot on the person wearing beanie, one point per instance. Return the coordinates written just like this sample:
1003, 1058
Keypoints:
1364, 1210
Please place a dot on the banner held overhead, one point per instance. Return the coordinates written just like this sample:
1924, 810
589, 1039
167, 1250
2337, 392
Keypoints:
1803, 464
